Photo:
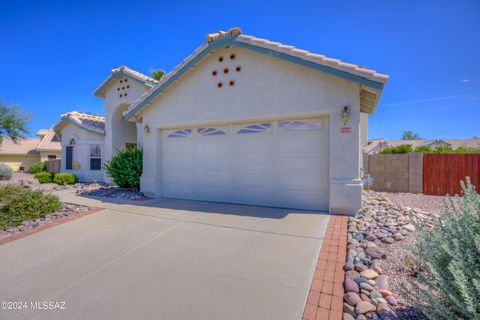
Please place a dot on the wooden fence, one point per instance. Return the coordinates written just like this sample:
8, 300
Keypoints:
442, 173
53, 166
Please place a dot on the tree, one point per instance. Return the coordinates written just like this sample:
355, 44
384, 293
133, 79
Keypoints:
157, 74
13, 122
409, 135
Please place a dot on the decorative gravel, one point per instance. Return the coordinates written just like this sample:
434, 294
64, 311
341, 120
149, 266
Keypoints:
378, 240
113, 192
67, 210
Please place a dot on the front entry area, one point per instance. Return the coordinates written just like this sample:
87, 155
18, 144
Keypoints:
280, 163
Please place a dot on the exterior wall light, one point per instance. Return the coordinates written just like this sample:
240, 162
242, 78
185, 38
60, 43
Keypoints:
146, 130
345, 115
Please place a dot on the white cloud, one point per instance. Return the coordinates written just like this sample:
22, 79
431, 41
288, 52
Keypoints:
442, 98
465, 80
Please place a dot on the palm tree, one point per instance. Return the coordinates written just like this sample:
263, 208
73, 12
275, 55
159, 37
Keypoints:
409, 135
157, 74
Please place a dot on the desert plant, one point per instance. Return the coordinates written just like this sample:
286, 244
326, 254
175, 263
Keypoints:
403, 148
447, 260
65, 178
125, 167
18, 204
44, 177
36, 167
5, 171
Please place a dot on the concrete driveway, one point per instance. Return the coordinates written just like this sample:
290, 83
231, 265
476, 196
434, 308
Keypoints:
166, 259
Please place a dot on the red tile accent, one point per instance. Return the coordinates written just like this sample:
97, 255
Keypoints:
23, 234
325, 299
327, 287
310, 312
322, 314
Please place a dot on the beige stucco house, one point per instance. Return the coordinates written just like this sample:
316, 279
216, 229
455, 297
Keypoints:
21, 154
83, 144
243, 120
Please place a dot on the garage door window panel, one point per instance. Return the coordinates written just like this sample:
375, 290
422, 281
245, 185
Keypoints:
264, 127
299, 126
210, 132
184, 133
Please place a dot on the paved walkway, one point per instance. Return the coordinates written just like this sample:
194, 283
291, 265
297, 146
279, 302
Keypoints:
166, 259
325, 299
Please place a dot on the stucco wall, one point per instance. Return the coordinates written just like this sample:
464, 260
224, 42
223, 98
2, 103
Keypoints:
83, 139
118, 131
265, 88
15, 161
44, 155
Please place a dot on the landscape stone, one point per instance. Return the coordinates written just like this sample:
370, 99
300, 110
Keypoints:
369, 274
391, 300
376, 252
382, 282
363, 307
351, 286
351, 298
347, 316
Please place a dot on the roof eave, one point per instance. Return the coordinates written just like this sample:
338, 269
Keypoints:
59, 125
100, 91
230, 40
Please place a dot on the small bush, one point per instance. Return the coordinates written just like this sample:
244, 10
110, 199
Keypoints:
125, 167
36, 167
403, 148
447, 260
5, 172
65, 178
423, 149
44, 177
19, 204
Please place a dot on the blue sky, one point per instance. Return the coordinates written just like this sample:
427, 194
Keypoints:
54, 54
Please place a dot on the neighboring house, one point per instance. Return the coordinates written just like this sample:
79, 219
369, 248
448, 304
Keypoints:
376, 145
246, 120
83, 144
25, 152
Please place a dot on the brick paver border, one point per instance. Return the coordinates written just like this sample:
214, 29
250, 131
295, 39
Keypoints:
23, 234
325, 298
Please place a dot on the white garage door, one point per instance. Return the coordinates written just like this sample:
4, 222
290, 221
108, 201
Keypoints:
271, 163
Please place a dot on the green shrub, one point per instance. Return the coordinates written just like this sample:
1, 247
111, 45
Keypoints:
65, 178
36, 167
5, 171
19, 204
447, 261
403, 148
125, 167
44, 177
423, 149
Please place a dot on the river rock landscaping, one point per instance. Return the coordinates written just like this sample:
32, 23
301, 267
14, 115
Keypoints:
112, 192
381, 223
67, 210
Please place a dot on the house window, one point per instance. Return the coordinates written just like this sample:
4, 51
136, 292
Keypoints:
52, 157
95, 157
69, 155
69, 158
